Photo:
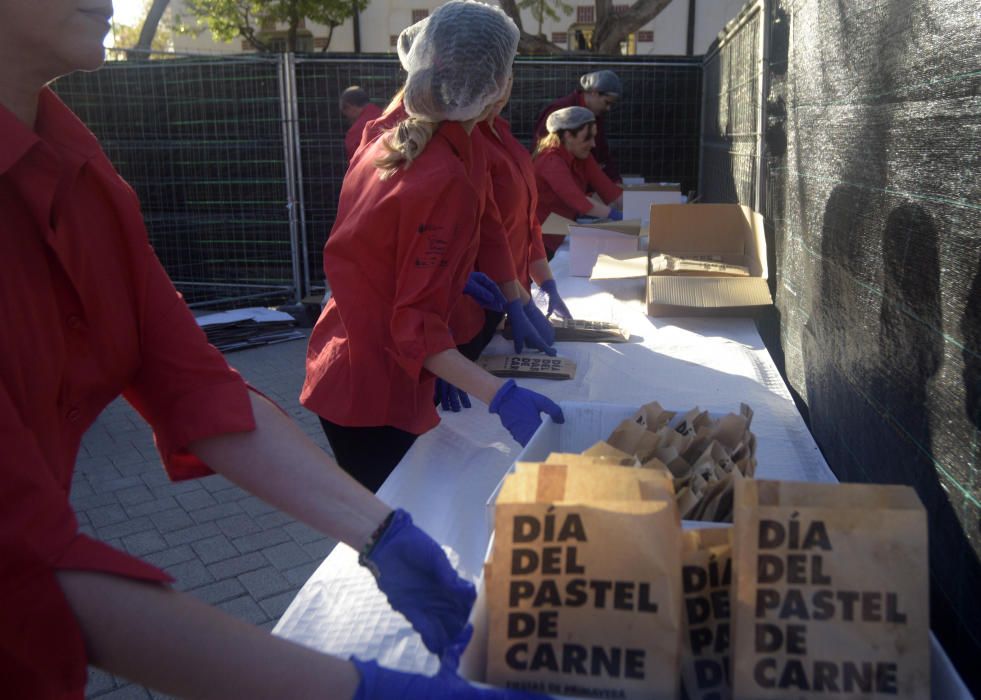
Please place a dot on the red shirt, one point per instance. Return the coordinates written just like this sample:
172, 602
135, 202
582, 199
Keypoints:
563, 181
396, 260
352, 139
601, 151
493, 255
88, 313
513, 178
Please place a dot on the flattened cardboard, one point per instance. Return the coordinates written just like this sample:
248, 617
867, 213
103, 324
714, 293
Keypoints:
590, 240
528, 366
555, 225
729, 233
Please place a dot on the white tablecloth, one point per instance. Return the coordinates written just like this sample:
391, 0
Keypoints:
445, 479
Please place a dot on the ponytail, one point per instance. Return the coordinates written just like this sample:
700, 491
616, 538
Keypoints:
403, 144
546, 142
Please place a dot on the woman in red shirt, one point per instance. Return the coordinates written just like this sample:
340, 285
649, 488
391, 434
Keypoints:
90, 314
513, 178
401, 250
566, 172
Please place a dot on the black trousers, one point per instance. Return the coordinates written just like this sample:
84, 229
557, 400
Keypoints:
368, 454
471, 350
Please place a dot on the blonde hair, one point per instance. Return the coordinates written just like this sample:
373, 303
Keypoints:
395, 103
403, 144
546, 142
554, 140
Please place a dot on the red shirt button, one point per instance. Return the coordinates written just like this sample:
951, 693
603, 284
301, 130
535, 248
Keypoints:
73, 415
74, 322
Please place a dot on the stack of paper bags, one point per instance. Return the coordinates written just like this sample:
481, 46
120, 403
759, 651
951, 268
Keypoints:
705, 457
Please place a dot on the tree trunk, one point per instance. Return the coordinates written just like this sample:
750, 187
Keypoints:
510, 8
531, 45
149, 29
612, 28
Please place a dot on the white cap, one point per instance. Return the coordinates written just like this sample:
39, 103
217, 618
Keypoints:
568, 118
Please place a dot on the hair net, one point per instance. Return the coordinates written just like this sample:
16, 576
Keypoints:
568, 118
459, 61
602, 81
406, 37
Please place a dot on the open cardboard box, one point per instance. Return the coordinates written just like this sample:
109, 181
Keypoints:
586, 423
638, 199
727, 233
589, 241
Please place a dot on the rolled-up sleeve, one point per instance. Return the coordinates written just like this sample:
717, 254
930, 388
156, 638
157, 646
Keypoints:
184, 388
42, 653
598, 181
494, 257
434, 246
536, 245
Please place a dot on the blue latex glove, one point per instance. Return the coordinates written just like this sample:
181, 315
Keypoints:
380, 683
485, 291
555, 303
449, 397
615, 214
419, 582
520, 410
540, 323
524, 330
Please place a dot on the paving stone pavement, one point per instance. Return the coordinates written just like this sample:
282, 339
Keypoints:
221, 544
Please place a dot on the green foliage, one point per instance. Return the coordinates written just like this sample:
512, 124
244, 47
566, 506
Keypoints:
540, 9
125, 36
228, 19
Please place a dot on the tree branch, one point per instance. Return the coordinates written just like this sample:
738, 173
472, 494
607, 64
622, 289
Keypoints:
613, 28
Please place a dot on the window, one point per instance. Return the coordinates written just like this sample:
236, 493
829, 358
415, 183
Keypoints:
585, 14
393, 40
645, 36
620, 9
559, 37
419, 15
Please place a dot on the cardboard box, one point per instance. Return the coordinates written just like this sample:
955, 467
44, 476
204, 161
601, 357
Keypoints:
638, 199
586, 423
588, 241
726, 233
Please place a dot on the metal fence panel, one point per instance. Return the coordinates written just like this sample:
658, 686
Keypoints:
201, 141
731, 134
653, 129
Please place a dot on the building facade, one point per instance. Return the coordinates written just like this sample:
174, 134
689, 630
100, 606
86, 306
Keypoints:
381, 21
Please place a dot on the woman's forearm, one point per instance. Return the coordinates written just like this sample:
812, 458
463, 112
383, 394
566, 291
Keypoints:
279, 463
176, 644
454, 368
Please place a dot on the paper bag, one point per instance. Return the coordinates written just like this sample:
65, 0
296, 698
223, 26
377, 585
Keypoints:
586, 599
831, 592
706, 580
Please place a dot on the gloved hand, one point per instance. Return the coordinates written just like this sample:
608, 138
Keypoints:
519, 410
419, 582
449, 397
380, 683
485, 291
524, 331
555, 303
615, 214
539, 321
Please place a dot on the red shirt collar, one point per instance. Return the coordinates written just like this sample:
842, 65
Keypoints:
55, 125
458, 139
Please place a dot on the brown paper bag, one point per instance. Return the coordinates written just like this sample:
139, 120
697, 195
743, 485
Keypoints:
586, 599
606, 450
706, 578
831, 592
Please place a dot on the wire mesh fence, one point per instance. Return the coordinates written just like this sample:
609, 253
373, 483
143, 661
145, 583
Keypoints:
201, 141
873, 208
732, 102
239, 161
653, 130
